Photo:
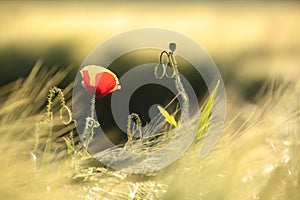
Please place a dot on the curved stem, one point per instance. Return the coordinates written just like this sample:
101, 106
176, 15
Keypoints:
161, 55
178, 83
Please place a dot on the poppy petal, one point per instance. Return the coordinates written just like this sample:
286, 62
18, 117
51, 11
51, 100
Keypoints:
99, 80
105, 84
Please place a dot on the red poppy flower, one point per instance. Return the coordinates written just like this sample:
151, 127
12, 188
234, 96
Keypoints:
99, 80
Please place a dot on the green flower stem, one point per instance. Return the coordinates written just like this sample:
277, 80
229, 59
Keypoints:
93, 107
91, 124
178, 84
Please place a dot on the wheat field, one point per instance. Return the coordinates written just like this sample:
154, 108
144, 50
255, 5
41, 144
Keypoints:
258, 153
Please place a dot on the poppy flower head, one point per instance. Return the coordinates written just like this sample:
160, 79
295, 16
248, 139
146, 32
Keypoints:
99, 80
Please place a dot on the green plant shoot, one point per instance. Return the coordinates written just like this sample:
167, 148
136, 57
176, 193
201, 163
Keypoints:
205, 114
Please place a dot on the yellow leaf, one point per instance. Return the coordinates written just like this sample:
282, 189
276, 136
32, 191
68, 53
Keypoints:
169, 118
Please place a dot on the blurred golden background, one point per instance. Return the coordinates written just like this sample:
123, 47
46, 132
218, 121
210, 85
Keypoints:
247, 40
